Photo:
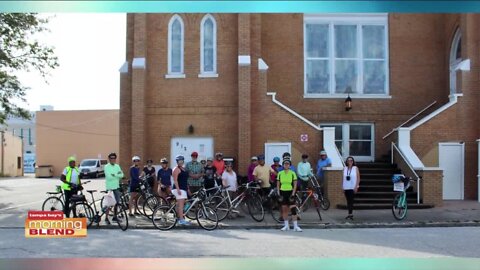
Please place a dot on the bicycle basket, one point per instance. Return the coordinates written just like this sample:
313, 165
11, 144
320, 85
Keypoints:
77, 198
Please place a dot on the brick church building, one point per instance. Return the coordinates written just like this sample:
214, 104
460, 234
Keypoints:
245, 84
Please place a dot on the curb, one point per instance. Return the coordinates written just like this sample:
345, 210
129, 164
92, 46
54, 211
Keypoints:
442, 224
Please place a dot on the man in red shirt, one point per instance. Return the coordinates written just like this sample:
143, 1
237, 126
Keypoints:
219, 164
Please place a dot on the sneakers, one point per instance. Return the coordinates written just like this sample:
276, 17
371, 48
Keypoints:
349, 217
184, 222
285, 228
297, 229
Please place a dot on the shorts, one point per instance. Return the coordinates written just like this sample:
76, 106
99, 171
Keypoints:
285, 195
183, 194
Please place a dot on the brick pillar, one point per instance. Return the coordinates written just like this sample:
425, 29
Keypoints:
125, 134
468, 104
138, 132
244, 94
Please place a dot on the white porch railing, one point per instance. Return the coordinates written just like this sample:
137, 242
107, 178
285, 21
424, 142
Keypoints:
328, 134
418, 178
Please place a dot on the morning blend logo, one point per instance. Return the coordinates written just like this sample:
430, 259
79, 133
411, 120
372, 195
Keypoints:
52, 224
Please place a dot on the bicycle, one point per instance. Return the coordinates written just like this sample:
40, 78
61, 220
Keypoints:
147, 201
56, 200
164, 217
324, 201
223, 205
276, 207
119, 211
400, 203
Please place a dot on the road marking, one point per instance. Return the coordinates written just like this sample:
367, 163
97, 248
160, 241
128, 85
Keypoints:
20, 205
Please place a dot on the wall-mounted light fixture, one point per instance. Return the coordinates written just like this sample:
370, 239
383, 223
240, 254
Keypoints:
191, 129
348, 100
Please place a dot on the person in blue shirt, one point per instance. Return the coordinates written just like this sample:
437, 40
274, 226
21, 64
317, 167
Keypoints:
134, 187
164, 176
323, 162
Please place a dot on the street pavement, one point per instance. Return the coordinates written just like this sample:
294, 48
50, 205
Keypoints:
452, 230
18, 195
260, 243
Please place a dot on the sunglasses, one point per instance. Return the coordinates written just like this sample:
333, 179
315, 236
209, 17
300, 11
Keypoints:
112, 158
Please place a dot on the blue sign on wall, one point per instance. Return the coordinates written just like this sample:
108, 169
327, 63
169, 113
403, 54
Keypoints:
29, 163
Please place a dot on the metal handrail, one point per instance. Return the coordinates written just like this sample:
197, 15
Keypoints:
418, 178
393, 130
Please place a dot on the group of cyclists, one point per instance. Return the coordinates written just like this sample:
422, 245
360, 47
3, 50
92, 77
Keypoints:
185, 179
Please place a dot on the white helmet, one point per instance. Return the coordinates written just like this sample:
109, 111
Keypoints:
135, 158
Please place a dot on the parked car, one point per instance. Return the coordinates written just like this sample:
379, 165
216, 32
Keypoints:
92, 167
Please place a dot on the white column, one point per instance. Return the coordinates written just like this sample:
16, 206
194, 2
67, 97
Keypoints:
330, 148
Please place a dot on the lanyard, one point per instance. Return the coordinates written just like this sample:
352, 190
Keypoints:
349, 171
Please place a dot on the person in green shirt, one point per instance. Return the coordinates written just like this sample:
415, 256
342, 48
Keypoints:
113, 175
287, 186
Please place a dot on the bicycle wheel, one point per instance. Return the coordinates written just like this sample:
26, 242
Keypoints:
255, 208
324, 203
192, 212
164, 217
399, 206
52, 204
82, 210
141, 199
120, 216
151, 203
220, 205
207, 218
276, 210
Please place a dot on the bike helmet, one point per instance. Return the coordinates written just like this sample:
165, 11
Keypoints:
135, 158
287, 161
254, 158
286, 154
276, 159
72, 158
164, 161
219, 154
261, 157
179, 157
209, 159
112, 155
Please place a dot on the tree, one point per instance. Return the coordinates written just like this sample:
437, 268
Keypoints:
20, 51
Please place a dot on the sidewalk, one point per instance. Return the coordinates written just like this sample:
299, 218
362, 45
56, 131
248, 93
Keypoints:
452, 214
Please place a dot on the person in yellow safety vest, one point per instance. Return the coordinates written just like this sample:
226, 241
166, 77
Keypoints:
71, 183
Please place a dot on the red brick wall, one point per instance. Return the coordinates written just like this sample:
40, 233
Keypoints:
416, 50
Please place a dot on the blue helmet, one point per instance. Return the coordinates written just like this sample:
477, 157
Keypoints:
179, 157
276, 159
261, 157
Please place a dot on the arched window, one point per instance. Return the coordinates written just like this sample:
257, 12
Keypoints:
455, 59
208, 45
175, 45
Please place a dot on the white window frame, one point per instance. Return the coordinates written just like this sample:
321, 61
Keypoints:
454, 61
203, 73
347, 19
171, 74
346, 140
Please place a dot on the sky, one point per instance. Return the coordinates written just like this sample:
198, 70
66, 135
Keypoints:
91, 50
